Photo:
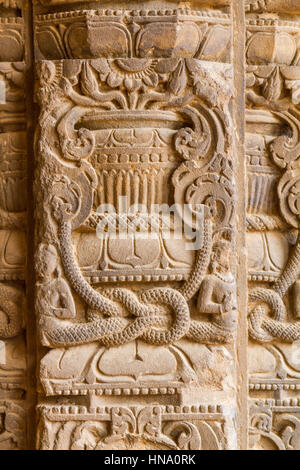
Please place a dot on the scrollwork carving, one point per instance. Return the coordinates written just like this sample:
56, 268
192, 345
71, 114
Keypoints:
149, 33
284, 150
12, 305
167, 85
276, 428
12, 425
130, 428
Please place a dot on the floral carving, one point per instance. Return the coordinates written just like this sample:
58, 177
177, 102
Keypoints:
89, 89
129, 428
117, 33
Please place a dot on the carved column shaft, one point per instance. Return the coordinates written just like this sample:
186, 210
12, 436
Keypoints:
135, 139
272, 136
13, 206
149, 174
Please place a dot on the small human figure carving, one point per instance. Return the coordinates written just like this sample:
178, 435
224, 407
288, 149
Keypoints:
54, 296
217, 290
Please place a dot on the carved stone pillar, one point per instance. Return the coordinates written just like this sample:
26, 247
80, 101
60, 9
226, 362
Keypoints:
149, 224
273, 74
135, 157
13, 381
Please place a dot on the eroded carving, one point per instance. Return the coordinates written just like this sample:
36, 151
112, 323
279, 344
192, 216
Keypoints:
12, 103
12, 44
148, 33
12, 425
120, 428
269, 86
282, 6
274, 425
71, 197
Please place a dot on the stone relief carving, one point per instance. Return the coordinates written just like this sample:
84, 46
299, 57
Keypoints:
13, 207
144, 34
137, 262
12, 172
277, 6
70, 192
12, 425
12, 105
11, 306
134, 3
274, 425
272, 219
124, 428
12, 45
136, 369
269, 86
12, 341
280, 39
130, 318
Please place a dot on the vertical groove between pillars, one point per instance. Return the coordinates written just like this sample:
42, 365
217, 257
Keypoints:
239, 34
31, 336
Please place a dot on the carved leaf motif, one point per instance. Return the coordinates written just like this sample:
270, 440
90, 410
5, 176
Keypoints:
178, 79
100, 65
89, 83
186, 435
123, 421
151, 79
291, 433
272, 87
189, 439
72, 68
149, 421
191, 145
87, 435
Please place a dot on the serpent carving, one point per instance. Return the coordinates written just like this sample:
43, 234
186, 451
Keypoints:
191, 286
11, 305
263, 328
117, 329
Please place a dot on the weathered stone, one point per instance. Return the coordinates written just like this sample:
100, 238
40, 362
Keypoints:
134, 230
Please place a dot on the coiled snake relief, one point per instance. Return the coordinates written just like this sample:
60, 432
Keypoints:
263, 328
146, 307
11, 301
